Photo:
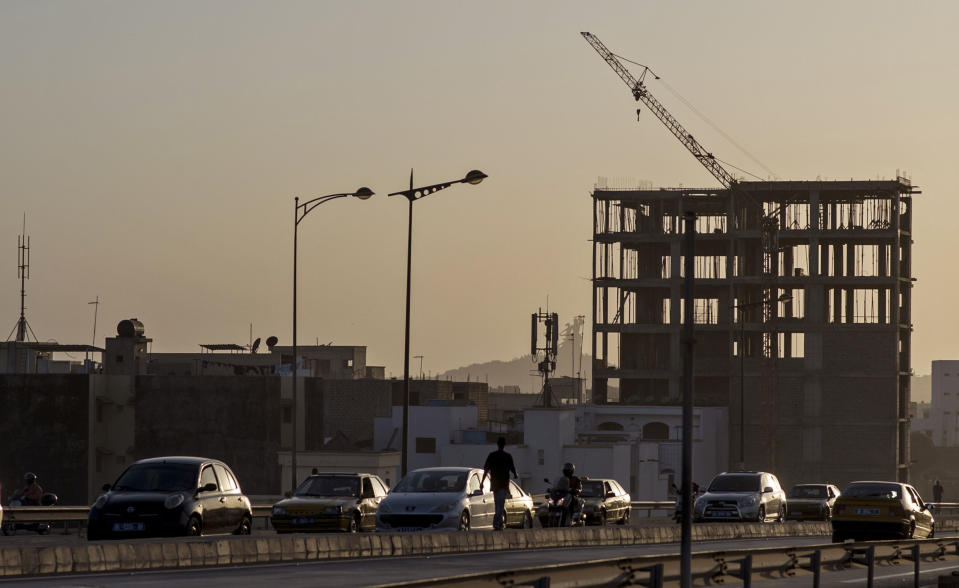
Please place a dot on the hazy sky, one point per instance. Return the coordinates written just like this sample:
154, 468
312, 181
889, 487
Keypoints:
156, 147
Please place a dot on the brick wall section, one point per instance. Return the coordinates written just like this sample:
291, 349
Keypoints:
44, 430
232, 418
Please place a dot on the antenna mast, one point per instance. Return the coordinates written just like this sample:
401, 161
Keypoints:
23, 273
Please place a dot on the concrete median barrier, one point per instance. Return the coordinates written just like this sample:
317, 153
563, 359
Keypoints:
145, 554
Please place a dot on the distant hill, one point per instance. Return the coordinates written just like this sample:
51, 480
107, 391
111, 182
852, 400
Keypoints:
519, 371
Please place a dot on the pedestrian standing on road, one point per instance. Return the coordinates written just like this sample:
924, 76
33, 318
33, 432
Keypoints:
498, 466
937, 492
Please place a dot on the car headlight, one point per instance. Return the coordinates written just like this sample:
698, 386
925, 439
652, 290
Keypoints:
173, 500
102, 500
333, 510
279, 511
750, 500
446, 507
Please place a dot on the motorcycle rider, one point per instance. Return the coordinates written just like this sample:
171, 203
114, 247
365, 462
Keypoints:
574, 486
31, 493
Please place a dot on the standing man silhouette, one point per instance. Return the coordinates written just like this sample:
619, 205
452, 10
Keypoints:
498, 466
937, 492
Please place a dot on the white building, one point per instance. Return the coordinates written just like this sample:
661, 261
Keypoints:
944, 414
638, 445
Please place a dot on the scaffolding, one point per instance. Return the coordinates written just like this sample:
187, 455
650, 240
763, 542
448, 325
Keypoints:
810, 281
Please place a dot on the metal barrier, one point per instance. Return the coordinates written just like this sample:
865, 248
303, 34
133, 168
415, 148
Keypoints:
76, 516
713, 567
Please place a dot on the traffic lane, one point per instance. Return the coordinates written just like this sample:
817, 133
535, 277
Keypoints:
372, 571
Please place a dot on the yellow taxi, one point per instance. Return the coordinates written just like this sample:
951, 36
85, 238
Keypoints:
878, 510
331, 502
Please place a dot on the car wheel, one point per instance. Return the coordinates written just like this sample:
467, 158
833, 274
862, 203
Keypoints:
602, 518
625, 519
782, 514
912, 530
194, 528
932, 531
761, 515
828, 515
528, 521
354, 523
244, 528
464, 522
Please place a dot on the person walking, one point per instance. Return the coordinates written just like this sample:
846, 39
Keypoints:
498, 466
937, 492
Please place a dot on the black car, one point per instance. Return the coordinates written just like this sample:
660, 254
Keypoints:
167, 496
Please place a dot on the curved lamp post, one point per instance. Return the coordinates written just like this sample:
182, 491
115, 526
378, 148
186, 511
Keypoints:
742, 368
299, 213
412, 195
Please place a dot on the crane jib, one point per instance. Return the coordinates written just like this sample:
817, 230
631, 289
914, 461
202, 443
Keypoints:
641, 93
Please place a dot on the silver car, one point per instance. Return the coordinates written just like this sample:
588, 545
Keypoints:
437, 499
742, 496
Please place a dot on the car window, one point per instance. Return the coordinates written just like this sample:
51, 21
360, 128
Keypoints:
515, 491
607, 488
736, 483
207, 476
434, 481
619, 488
153, 477
379, 488
915, 497
872, 490
473, 485
368, 487
226, 481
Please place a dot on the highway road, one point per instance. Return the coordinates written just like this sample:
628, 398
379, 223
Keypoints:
375, 571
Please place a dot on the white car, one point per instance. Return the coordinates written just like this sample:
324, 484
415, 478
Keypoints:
445, 499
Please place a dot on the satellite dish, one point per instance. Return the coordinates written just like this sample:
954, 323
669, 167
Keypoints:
271, 341
255, 346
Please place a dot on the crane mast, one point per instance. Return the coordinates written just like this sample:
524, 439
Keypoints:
641, 93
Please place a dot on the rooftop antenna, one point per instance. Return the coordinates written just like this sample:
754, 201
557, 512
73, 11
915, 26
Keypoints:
23, 272
96, 307
549, 349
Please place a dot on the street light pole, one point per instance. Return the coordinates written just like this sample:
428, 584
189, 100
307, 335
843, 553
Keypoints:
412, 195
299, 213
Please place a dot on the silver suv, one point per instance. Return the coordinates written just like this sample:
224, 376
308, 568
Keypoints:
742, 496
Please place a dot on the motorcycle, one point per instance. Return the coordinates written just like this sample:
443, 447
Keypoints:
560, 507
39, 527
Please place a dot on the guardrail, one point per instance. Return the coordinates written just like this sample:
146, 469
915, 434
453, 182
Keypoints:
79, 514
76, 516
714, 567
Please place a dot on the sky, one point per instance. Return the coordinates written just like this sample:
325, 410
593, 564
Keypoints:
156, 148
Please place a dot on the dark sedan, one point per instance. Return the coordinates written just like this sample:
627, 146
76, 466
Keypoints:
814, 502
331, 502
605, 502
167, 496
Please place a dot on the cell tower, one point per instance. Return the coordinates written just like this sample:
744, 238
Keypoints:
23, 273
548, 364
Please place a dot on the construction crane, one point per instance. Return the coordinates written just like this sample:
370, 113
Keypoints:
641, 93
768, 224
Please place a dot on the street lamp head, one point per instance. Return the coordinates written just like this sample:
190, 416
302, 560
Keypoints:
363, 193
474, 177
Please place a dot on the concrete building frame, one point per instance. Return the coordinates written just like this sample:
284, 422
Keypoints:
829, 365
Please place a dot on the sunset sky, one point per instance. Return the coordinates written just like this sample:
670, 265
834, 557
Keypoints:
156, 147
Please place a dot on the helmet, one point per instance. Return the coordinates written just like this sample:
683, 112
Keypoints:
568, 469
30, 477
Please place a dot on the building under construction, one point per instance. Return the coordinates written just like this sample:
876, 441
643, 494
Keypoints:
802, 317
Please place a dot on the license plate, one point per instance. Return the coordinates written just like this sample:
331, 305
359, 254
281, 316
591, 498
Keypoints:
409, 529
303, 521
796, 513
867, 511
126, 527
722, 513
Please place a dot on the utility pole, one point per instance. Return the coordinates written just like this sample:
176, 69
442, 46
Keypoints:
689, 239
